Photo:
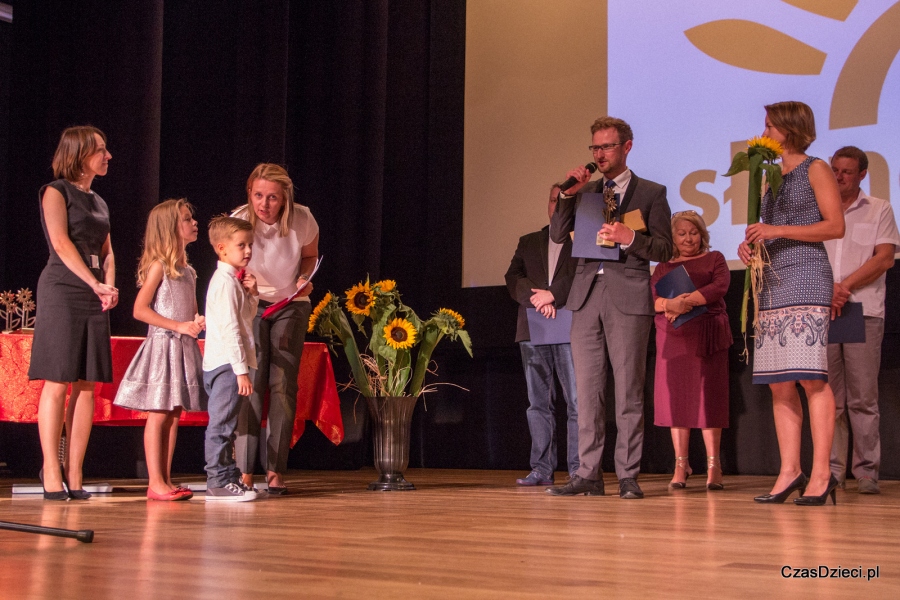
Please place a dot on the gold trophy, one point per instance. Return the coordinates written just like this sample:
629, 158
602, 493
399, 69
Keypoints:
609, 213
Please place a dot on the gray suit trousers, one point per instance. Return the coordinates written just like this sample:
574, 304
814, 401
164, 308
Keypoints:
853, 375
600, 332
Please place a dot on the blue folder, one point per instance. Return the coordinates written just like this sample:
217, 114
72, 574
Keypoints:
589, 219
674, 283
544, 331
850, 327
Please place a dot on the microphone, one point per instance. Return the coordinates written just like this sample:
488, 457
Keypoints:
565, 185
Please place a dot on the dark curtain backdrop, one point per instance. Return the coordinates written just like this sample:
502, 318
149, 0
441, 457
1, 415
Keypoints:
363, 102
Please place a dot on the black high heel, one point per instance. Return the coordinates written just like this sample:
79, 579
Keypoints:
74, 494
63, 494
799, 483
819, 500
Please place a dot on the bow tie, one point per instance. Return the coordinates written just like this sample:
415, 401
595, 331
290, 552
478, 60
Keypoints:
240, 274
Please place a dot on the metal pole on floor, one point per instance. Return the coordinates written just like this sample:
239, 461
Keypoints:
83, 535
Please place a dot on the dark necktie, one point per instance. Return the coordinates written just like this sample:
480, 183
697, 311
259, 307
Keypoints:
611, 184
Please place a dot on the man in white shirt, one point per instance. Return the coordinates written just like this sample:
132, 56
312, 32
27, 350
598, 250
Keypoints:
229, 354
859, 261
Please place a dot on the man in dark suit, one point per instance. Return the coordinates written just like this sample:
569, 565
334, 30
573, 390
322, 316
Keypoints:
612, 309
539, 276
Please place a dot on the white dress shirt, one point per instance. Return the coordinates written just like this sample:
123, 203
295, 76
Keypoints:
553, 252
230, 311
869, 222
276, 259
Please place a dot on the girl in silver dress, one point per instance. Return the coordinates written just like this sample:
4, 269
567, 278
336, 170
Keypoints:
166, 375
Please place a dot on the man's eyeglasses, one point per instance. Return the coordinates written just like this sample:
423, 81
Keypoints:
604, 147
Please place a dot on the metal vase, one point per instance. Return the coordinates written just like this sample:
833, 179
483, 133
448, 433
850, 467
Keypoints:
391, 418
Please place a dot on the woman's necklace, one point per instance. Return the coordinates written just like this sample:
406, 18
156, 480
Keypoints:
81, 187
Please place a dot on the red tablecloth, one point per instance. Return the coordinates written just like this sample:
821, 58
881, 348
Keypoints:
317, 398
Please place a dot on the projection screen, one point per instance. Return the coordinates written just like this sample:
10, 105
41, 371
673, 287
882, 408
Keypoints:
690, 78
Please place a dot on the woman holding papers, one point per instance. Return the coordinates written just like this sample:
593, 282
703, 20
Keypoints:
285, 250
692, 341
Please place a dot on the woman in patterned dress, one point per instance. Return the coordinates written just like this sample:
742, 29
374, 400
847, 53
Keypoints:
794, 304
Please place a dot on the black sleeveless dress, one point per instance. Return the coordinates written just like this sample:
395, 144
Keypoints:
71, 331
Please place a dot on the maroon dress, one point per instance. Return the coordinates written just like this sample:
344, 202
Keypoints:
691, 385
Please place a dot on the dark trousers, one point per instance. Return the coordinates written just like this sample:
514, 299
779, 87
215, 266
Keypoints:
543, 366
279, 346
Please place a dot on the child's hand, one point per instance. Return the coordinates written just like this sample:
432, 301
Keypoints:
249, 283
201, 321
190, 328
245, 388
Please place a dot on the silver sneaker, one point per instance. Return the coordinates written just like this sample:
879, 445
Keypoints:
260, 494
230, 493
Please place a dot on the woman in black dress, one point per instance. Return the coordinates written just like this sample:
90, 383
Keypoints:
76, 288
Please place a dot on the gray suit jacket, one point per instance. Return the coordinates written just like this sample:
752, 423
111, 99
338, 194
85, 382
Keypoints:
629, 278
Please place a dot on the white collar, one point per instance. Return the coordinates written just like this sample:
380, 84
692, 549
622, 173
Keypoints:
622, 179
225, 267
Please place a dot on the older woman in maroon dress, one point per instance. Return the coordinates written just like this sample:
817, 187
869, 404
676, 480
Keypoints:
691, 385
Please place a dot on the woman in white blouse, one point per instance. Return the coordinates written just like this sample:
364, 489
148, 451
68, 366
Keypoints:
285, 249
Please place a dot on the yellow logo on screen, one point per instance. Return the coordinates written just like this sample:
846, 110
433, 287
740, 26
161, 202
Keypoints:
854, 102
756, 47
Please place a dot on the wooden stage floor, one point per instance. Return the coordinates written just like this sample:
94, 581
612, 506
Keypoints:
462, 534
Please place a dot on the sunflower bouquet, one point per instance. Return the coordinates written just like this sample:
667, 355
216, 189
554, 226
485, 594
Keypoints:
394, 332
759, 159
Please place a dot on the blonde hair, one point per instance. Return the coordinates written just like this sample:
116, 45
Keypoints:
697, 221
796, 121
222, 227
275, 174
76, 144
162, 242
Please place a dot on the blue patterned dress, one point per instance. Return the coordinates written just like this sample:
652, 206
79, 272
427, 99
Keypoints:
795, 302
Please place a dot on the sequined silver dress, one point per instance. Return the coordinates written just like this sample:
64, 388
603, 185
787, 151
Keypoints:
167, 371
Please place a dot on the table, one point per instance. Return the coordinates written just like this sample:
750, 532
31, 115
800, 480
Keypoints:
317, 398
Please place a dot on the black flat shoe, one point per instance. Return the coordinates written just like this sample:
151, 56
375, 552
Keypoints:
60, 495
277, 491
79, 494
819, 500
798, 484
63, 494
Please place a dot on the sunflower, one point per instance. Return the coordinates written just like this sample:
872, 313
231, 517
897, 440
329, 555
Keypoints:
400, 334
317, 312
455, 315
386, 285
766, 143
360, 299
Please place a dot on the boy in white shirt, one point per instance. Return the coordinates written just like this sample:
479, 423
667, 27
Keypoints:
229, 355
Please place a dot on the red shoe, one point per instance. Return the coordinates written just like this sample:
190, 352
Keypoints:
167, 497
184, 493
